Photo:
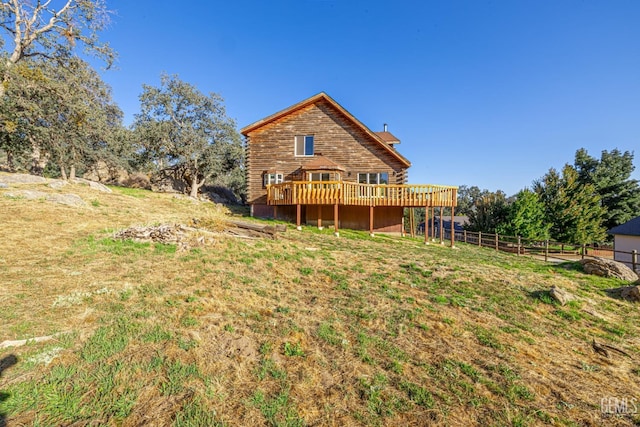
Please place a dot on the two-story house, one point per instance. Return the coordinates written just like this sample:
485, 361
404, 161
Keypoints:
315, 163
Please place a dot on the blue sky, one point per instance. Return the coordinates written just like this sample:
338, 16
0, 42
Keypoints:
486, 93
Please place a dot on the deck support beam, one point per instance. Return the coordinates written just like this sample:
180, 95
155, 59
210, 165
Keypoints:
275, 212
453, 229
441, 228
433, 223
335, 220
426, 225
320, 217
371, 221
298, 217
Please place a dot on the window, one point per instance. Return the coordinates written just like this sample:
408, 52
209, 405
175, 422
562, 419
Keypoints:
272, 178
323, 176
304, 145
373, 178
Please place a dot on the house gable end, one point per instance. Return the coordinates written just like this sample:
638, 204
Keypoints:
321, 99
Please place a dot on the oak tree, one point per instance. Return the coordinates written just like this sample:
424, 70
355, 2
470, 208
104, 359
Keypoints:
188, 132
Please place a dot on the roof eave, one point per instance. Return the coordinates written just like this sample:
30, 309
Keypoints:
312, 100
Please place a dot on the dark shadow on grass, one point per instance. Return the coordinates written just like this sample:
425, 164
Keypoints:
5, 363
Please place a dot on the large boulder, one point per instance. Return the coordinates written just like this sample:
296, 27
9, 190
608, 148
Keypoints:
21, 178
560, 295
631, 293
103, 172
608, 268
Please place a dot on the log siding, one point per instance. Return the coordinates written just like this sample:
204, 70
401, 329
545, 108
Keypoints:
347, 148
272, 147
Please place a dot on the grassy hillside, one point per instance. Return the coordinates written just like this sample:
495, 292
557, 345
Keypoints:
308, 329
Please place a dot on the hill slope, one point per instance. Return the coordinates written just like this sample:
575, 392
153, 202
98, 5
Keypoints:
308, 329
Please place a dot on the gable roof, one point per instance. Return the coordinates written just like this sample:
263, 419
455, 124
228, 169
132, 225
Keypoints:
388, 137
324, 97
321, 162
629, 228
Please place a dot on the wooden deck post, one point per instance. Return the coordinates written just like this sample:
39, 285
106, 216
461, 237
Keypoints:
298, 217
426, 225
546, 250
371, 221
441, 228
275, 212
335, 220
319, 217
453, 230
433, 223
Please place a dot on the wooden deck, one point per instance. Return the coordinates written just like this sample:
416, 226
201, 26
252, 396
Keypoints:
354, 194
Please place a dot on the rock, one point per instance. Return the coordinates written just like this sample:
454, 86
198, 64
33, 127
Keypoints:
608, 268
58, 184
27, 194
21, 178
3, 185
102, 172
631, 293
63, 199
66, 199
137, 180
93, 184
561, 295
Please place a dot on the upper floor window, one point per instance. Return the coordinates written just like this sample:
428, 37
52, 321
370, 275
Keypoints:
373, 178
304, 145
272, 178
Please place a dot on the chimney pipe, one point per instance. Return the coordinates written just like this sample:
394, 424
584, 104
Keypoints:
385, 127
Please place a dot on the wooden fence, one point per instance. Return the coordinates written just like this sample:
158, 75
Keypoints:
549, 251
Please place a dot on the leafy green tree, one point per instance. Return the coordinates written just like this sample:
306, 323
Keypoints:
611, 177
41, 32
526, 217
573, 209
467, 196
185, 131
63, 113
488, 213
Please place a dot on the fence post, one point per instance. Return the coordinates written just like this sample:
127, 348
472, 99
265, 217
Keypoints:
584, 249
496, 241
464, 233
480, 238
634, 260
546, 250
519, 245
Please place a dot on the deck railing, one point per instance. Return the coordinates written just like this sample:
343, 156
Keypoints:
351, 193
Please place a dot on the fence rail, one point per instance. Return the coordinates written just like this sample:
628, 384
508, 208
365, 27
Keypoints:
550, 251
350, 193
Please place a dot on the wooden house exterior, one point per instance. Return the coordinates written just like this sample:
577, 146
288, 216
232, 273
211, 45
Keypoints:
315, 163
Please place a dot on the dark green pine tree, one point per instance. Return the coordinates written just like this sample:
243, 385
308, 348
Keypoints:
573, 209
549, 189
611, 177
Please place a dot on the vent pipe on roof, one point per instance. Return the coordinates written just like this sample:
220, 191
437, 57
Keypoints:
385, 127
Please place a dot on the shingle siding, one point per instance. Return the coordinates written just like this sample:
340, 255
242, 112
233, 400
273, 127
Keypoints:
335, 136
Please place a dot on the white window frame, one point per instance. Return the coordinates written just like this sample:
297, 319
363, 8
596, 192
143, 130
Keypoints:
272, 178
304, 145
372, 177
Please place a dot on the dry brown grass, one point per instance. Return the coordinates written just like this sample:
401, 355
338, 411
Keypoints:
305, 330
